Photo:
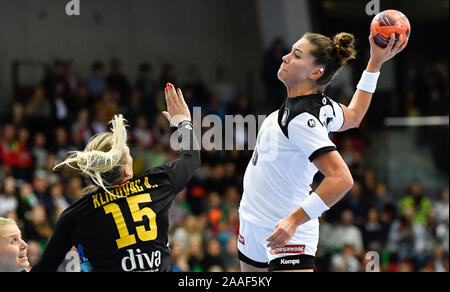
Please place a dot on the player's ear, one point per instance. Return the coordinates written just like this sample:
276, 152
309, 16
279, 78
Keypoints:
127, 171
317, 73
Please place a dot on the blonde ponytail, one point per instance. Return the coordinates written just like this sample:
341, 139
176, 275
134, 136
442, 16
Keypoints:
103, 158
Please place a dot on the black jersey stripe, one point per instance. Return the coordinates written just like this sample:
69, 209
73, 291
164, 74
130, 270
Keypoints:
320, 152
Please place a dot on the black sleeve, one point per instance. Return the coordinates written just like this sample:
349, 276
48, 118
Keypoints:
57, 247
183, 168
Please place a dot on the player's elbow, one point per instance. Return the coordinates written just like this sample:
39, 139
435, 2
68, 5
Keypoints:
355, 123
347, 182
355, 119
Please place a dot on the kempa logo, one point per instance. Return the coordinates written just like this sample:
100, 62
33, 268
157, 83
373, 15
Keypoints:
290, 262
73, 8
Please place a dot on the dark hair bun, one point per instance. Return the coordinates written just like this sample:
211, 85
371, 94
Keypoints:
344, 47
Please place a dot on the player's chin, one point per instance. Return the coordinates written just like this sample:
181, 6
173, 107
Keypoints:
282, 74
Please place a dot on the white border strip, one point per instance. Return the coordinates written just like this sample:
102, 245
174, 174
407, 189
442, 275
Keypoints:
417, 121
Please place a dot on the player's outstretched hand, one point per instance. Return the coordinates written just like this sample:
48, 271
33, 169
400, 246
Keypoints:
177, 109
379, 55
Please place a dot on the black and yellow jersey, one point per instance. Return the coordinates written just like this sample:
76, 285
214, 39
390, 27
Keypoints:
126, 231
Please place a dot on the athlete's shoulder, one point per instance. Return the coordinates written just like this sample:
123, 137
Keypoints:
309, 106
77, 206
155, 171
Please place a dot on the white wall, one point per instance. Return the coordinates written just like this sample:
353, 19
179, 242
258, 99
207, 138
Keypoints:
204, 32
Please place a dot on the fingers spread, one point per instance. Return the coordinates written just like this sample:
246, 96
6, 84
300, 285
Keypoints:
173, 93
169, 98
180, 97
398, 44
391, 43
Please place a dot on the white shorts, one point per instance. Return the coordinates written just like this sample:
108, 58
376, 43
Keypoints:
298, 253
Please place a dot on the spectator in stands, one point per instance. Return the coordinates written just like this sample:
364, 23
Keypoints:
216, 107
351, 156
441, 207
212, 258
82, 100
37, 226
374, 231
348, 233
8, 148
197, 86
117, 81
222, 87
230, 257
40, 186
438, 262
355, 203
81, 128
40, 150
27, 200
195, 253
38, 110
55, 75
345, 261
60, 104
62, 143
23, 168
416, 200
73, 81
96, 84
400, 241
17, 117
108, 104
34, 252
424, 240
8, 196
145, 83
74, 189
179, 257
168, 76
384, 202
179, 209
138, 106
56, 192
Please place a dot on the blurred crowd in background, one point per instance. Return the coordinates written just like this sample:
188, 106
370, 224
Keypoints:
408, 230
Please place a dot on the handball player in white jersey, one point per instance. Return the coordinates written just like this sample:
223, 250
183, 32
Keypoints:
279, 227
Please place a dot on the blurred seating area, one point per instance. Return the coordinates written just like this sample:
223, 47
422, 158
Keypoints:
409, 230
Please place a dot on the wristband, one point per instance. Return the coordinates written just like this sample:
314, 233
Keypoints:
368, 82
314, 206
185, 123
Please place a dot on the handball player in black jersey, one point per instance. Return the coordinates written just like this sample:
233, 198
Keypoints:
121, 223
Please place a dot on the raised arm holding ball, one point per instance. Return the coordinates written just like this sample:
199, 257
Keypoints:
279, 211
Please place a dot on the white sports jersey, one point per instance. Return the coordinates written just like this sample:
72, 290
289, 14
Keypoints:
279, 175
